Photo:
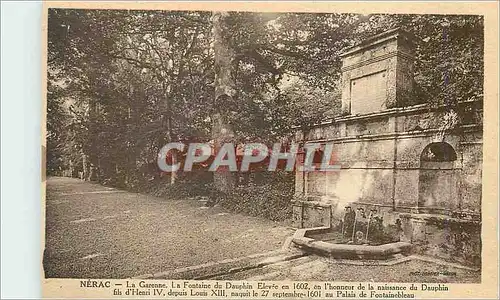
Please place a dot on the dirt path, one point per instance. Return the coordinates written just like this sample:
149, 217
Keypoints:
94, 231
316, 268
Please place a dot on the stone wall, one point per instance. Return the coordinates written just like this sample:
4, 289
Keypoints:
404, 160
381, 168
378, 73
380, 159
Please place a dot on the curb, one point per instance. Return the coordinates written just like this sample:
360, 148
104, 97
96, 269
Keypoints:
266, 262
227, 266
444, 263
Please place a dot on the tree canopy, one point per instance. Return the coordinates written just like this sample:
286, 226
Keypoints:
121, 83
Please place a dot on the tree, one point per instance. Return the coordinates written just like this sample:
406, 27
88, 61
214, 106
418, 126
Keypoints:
123, 83
223, 105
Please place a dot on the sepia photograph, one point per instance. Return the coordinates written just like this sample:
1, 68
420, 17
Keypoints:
264, 146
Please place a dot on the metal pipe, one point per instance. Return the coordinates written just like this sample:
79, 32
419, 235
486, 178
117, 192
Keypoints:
354, 226
368, 226
346, 210
343, 226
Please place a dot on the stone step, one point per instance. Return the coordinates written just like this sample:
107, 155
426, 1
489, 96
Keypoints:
229, 266
298, 269
271, 270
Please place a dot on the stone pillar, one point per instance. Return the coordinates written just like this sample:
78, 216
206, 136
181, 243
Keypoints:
378, 73
299, 183
418, 234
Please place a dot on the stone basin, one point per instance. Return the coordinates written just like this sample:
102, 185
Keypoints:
318, 240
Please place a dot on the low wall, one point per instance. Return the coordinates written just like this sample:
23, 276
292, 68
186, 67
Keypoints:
449, 238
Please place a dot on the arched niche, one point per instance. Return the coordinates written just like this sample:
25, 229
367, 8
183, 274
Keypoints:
438, 152
437, 186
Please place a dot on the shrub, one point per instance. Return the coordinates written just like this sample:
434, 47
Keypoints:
270, 197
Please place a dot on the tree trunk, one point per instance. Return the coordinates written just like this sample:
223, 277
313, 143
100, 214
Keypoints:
222, 131
167, 115
93, 133
85, 167
173, 174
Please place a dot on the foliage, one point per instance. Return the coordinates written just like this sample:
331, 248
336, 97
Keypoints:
122, 83
270, 198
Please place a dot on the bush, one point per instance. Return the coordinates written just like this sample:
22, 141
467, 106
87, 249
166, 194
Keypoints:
270, 198
266, 194
184, 187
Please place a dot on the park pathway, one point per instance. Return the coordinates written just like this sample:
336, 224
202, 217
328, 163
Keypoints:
94, 231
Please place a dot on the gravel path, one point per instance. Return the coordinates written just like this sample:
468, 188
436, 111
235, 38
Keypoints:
316, 268
94, 231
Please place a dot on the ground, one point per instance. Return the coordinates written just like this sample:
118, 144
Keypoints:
315, 268
97, 232
94, 231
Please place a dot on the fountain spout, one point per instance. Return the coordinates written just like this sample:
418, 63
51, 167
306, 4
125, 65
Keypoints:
346, 220
372, 212
359, 212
